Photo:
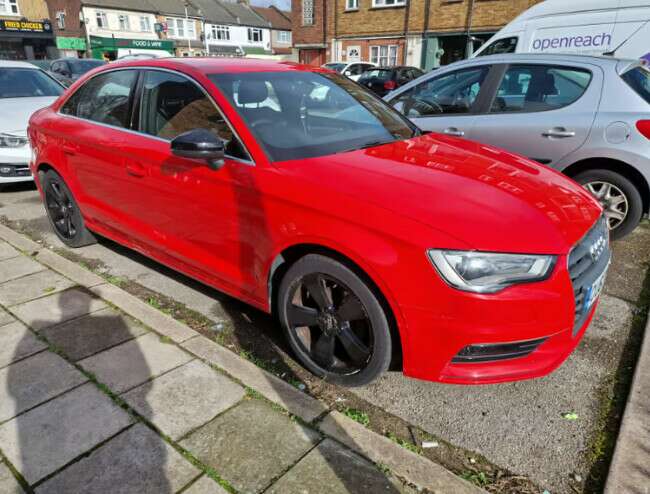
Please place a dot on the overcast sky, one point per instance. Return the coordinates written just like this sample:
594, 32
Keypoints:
283, 4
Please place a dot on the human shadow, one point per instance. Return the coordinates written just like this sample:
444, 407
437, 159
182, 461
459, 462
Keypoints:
63, 421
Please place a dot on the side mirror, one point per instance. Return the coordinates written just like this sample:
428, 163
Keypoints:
200, 144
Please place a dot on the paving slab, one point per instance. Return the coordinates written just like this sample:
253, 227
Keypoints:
127, 365
205, 485
93, 333
18, 267
31, 287
8, 483
184, 398
5, 317
17, 342
417, 469
270, 386
338, 468
136, 461
251, 444
46, 438
7, 251
32, 381
58, 308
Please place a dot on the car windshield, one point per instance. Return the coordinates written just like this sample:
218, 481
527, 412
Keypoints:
379, 74
338, 67
80, 67
296, 115
27, 83
639, 80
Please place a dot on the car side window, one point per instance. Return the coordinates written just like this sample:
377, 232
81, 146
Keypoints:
535, 88
452, 93
106, 98
355, 69
172, 104
503, 45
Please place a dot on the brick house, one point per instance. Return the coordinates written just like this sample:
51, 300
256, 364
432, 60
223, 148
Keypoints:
25, 30
422, 33
280, 24
68, 27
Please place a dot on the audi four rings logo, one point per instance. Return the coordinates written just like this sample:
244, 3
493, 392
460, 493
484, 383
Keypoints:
598, 247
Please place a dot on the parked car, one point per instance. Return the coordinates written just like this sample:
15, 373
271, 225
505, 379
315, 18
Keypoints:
68, 70
366, 238
580, 27
24, 89
588, 117
383, 80
353, 70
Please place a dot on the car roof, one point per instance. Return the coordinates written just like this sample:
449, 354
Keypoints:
15, 64
544, 57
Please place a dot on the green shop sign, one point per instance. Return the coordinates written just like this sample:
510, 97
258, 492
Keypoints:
97, 42
78, 44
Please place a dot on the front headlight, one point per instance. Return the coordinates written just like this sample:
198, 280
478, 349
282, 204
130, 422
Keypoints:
12, 141
484, 272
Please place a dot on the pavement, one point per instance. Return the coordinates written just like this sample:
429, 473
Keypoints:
519, 427
100, 392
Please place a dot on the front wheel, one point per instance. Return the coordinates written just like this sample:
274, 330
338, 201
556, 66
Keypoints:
334, 322
618, 196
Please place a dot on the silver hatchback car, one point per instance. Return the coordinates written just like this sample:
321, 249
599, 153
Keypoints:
588, 117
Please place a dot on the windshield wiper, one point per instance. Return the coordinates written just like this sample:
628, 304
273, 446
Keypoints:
365, 146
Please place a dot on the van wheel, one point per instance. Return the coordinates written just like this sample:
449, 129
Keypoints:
63, 212
618, 196
334, 322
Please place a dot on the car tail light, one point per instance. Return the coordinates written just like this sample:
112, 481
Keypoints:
644, 128
390, 85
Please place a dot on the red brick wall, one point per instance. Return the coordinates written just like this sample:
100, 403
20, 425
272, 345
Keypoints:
366, 44
73, 28
314, 34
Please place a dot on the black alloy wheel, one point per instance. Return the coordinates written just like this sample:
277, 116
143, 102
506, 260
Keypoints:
334, 322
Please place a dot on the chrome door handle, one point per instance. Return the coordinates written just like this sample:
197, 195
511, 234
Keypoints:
559, 133
453, 131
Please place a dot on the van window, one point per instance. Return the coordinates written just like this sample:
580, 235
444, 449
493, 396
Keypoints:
534, 88
639, 80
503, 45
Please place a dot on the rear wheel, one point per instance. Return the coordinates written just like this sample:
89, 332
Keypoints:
63, 211
334, 322
619, 197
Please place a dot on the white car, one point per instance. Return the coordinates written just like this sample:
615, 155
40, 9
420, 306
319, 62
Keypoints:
352, 70
24, 89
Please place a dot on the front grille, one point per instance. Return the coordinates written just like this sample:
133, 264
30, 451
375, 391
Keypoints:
587, 262
14, 170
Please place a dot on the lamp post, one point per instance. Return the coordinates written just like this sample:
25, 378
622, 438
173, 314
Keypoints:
187, 24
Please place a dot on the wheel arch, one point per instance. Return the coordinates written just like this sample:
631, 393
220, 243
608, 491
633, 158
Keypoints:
287, 257
617, 166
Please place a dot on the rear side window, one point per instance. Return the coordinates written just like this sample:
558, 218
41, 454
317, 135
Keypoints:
639, 80
535, 88
379, 74
503, 45
105, 98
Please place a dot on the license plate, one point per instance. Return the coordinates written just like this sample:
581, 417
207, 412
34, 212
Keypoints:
594, 290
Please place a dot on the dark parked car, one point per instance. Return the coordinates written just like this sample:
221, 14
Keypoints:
383, 80
68, 70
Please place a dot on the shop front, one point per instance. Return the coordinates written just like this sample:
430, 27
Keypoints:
113, 48
26, 40
71, 47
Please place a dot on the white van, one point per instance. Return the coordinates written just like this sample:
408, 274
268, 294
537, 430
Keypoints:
586, 27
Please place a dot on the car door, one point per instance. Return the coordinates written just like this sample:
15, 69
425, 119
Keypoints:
446, 102
541, 111
92, 141
191, 215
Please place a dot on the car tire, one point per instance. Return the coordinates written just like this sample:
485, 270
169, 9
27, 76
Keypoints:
362, 346
598, 181
63, 211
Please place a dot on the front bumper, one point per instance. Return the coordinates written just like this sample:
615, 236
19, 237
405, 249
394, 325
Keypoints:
14, 165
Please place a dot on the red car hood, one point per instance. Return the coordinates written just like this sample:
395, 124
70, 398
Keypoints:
485, 197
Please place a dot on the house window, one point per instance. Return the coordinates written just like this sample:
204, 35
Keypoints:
124, 22
60, 19
145, 24
191, 31
254, 35
102, 21
221, 33
351, 4
385, 55
284, 36
308, 12
9, 7
388, 3
181, 28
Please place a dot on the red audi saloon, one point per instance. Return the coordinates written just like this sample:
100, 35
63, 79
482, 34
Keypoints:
301, 193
